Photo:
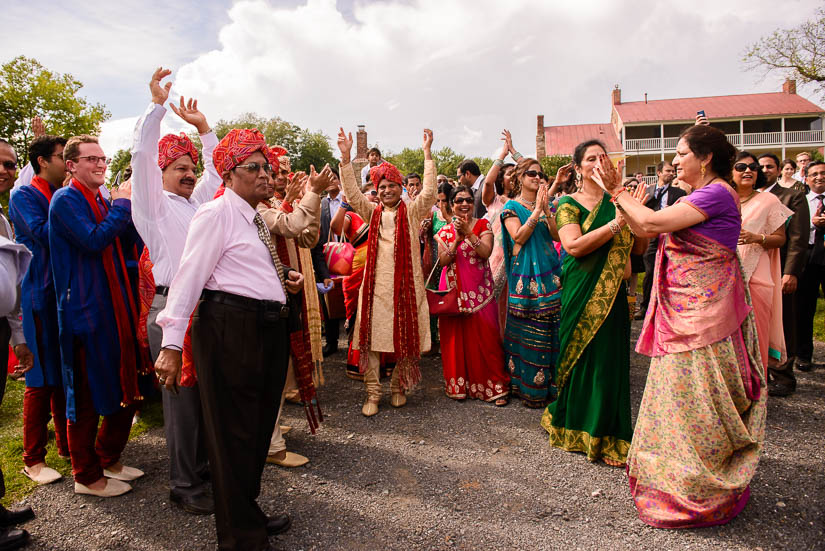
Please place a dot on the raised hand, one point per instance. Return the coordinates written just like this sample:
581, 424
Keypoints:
508, 142
541, 199
344, 145
319, 181
38, 128
123, 191
188, 111
160, 93
293, 188
606, 175
640, 193
562, 175
702, 120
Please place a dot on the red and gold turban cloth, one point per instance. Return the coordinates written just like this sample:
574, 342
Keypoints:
237, 146
385, 171
172, 148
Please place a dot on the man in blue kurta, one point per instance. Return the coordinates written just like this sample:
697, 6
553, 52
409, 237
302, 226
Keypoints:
29, 211
97, 319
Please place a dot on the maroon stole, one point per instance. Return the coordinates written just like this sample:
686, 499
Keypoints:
405, 323
111, 254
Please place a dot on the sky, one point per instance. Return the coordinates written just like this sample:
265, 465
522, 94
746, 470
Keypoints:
465, 68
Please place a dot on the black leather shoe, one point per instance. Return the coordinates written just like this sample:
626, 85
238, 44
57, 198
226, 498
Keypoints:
13, 538
780, 390
10, 518
330, 349
200, 504
804, 365
278, 524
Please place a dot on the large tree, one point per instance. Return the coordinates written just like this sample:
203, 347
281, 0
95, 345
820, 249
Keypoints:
27, 89
304, 146
798, 52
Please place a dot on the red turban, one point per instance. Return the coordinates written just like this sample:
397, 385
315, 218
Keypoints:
385, 171
172, 147
237, 146
275, 153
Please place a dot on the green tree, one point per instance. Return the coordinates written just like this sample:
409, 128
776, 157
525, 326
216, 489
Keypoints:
119, 163
798, 52
304, 146
447, 161
28, 89
408, 160
551, 164
483, 163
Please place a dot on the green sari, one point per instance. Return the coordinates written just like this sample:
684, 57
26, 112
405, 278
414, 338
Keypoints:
592, 412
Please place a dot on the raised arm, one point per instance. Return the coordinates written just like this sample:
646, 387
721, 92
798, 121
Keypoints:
357, 200
147, 179
488, 192
210, 180
422, 206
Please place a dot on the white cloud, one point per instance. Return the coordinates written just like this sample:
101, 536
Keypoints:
465, 68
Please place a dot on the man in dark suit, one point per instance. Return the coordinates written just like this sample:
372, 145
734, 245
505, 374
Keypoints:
329, 206
469, 174
660, 195
794, 259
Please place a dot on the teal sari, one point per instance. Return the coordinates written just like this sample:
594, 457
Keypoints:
531, 338
592, 412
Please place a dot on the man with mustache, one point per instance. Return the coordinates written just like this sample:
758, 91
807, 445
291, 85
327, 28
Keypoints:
164, 200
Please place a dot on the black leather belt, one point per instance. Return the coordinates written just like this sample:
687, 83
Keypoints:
270, 309
162, 290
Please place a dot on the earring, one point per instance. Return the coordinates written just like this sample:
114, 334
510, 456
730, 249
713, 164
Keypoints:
703, 171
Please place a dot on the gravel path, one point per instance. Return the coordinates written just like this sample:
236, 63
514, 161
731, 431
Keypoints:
441, 474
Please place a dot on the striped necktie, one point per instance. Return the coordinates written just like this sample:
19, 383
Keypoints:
264, 235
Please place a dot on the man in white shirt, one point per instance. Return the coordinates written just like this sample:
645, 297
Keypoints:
469, 174
802, 161
164, 200
240, 333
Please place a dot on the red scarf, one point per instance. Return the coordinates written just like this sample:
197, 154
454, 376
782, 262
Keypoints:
128, 354
405, 322
43, 187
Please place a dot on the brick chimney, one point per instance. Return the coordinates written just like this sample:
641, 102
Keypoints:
617, 95
360, 160
541, 142
789, 86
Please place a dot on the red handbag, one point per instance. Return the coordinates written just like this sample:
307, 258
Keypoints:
338, 256
441, 302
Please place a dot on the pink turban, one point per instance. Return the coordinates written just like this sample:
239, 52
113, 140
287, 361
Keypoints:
385, 171
237, 146
172, 147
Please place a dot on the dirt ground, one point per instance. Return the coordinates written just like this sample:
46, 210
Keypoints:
441, 474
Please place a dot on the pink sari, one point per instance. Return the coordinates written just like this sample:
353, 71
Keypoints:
764, 214
471, 351
701, 424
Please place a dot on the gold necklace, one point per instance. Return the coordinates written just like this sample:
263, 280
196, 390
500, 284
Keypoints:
743, 201
526, 203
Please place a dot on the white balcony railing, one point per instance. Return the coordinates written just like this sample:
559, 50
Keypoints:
795, 137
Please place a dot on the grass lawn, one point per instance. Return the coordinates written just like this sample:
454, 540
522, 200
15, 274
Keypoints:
19, 485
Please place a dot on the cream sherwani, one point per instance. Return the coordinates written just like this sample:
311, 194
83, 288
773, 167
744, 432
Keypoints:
383, 308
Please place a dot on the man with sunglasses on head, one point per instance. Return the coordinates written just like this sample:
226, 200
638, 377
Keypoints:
793, 257
165, 197
230, 271
89, 239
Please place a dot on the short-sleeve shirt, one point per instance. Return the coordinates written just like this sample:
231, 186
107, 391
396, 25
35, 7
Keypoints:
724, 221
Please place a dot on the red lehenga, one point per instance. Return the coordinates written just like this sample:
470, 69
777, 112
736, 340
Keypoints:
471, 351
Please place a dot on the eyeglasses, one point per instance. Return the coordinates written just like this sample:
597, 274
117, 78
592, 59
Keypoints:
815, 175
372, 192
459, 200
94, 159
255, 167
10, 165
534, 173
741, 167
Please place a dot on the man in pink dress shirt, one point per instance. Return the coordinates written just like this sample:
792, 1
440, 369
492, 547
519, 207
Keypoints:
231, 271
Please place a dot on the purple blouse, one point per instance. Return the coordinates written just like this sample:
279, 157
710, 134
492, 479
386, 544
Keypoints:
722, 210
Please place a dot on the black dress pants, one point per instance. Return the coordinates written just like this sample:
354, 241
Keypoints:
241, 357
5, 337
813, 279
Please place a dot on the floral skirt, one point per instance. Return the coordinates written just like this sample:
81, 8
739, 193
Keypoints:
531, 346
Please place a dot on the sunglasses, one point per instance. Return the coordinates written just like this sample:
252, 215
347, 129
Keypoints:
10, 165
459, 200
255, 167
534, 173
741, 167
